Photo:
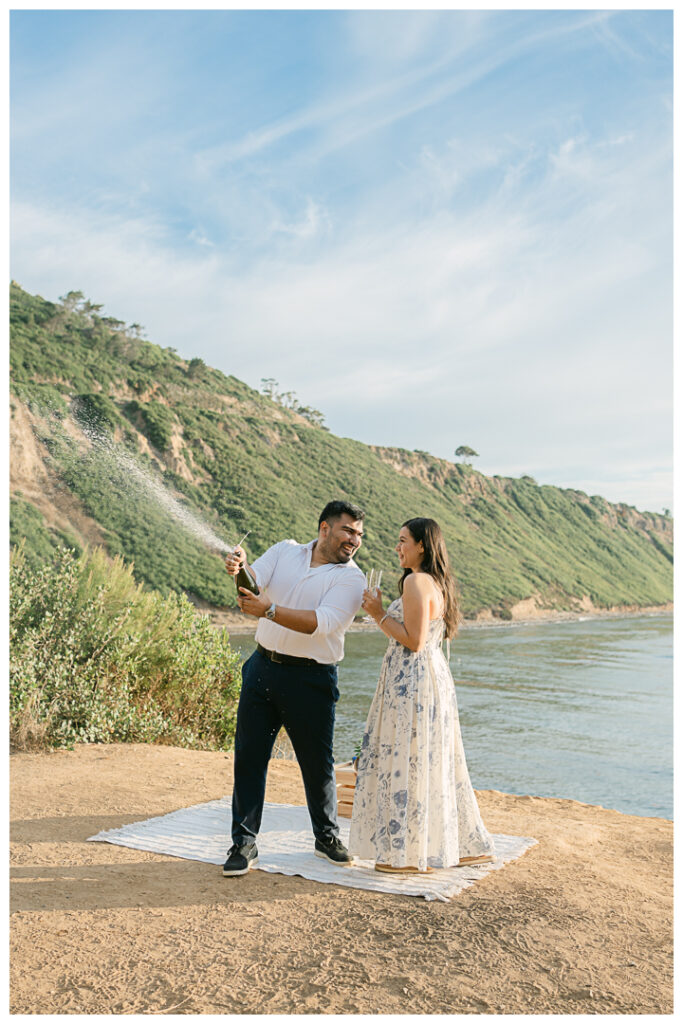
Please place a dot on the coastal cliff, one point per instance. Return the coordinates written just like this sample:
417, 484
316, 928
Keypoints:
242, 460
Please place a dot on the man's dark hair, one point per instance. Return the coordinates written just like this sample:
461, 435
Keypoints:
336, 509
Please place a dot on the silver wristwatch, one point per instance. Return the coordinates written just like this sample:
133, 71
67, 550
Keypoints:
270, 613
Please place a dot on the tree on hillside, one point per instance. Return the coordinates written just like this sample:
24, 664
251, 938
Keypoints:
76, 302
289, 400
90, 310
195, 367
313, 416
464, 452
269, 387
71, 300
113, 323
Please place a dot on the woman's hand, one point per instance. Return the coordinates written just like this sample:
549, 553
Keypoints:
372, 603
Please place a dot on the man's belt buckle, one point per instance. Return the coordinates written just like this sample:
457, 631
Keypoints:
277, 658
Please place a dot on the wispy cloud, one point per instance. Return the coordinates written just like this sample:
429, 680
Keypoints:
450, 243
199, 236
309, 225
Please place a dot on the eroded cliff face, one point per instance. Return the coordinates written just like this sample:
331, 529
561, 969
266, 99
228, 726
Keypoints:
243, 461
32, 478
33, 475
505, 498
436, 473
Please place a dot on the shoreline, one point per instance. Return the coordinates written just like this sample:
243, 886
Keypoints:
239, 625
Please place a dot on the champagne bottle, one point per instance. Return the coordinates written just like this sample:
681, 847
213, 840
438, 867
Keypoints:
246, 580
243, 578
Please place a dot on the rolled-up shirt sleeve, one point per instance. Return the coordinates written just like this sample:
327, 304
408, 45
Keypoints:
340, 604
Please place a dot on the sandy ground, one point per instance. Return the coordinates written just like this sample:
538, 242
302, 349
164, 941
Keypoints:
581, 924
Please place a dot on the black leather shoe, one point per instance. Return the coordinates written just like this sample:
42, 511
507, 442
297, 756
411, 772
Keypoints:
240, 859
333, 850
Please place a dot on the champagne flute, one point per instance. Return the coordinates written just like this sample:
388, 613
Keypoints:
373, 580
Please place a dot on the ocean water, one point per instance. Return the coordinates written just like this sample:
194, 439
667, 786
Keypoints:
579, 709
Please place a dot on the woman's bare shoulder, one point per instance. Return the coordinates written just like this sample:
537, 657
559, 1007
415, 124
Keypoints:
422, 585
418, 582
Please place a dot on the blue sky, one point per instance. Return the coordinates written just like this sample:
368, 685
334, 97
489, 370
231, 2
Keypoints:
439, 228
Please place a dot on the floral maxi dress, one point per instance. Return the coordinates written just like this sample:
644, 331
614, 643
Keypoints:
414, 803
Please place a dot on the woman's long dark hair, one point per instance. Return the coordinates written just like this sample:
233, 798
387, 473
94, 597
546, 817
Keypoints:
435, 562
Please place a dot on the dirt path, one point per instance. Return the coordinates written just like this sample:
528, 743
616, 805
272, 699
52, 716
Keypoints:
581, 924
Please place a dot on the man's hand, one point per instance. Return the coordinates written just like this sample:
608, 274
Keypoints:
235, 560
253, 604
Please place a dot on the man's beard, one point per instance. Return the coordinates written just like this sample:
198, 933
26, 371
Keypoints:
338, 556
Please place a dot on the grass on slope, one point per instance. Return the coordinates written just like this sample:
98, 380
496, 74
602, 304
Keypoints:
259, 467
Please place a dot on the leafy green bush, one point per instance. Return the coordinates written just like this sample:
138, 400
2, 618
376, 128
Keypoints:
94, 658
157, 422
97, 412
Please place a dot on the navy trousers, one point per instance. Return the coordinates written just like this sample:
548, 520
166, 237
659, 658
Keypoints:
301, 698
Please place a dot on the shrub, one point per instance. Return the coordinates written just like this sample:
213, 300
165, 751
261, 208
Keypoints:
157, 421
94, 658
97, 412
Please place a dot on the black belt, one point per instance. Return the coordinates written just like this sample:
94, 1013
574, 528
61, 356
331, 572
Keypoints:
285, 659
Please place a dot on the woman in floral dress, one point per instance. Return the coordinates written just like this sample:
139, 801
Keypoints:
414, 807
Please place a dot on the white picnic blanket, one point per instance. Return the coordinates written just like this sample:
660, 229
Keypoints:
285, 847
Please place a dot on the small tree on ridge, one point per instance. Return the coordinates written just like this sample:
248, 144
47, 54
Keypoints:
464, 452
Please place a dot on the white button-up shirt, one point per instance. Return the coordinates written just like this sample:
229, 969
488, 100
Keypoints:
333, 591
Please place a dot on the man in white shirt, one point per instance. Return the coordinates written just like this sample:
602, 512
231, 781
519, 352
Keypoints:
308, 596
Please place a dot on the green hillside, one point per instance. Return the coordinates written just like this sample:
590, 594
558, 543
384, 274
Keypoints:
242, 461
